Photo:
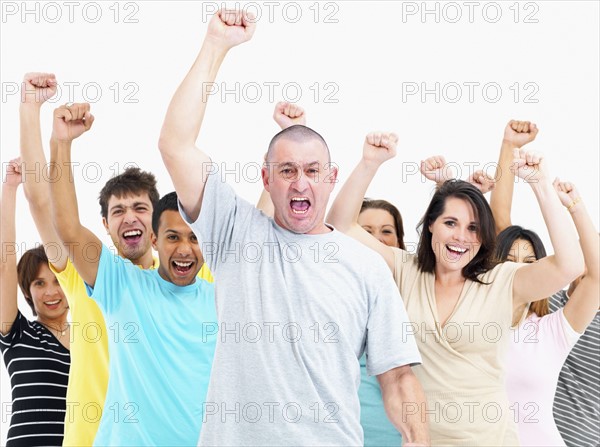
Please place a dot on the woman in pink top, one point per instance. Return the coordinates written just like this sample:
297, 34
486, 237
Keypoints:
541, 340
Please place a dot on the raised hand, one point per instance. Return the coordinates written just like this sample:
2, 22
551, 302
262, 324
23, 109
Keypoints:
71, 121
482, 181
37, 88
435, 169
13, 176
567, 193
379, 147
287, 114
528, 165
229, 28
519, 133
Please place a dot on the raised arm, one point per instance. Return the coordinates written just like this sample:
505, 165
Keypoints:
37, 88
516, 135
543, 278
583, 304
82, 246
8, 237
285, 115
401, 392
184, 117
343, 215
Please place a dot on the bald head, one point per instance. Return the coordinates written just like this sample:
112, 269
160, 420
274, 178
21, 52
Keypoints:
297, 133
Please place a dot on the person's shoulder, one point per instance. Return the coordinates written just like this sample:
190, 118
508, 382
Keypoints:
502, 271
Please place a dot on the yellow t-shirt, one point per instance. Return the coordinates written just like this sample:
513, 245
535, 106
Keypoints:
88, 377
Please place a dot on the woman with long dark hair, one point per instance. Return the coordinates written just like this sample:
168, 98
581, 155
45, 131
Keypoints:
459, 300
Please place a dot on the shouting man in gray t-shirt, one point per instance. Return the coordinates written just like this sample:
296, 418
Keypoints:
298, 302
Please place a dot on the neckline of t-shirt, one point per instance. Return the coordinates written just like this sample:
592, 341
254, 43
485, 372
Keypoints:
190, 288
305, 236
44, 328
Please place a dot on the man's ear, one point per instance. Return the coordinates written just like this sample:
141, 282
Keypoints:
105, 223
265, 176
153, 239
331, 176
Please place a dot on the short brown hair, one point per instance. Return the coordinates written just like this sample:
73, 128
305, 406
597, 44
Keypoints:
28, 269
132, 181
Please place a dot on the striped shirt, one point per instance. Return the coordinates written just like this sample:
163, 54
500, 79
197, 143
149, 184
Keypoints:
38, 367
577, 401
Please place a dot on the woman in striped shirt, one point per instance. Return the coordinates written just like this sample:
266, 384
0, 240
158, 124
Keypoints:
36, 353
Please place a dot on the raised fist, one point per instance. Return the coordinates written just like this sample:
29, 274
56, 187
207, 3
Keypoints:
230, 27
380, 147
567, 193
287, 114
528, 165
37, 88
13, 173
435, 169
519, 133
71, 121
482, 181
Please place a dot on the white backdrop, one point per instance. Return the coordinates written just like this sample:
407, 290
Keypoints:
446, 76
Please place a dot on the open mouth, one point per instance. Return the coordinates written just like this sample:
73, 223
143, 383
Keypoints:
132, 237
52, 304
182, 268
300, 205
455, 252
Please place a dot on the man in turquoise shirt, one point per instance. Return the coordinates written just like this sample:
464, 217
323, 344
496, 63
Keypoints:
162, 322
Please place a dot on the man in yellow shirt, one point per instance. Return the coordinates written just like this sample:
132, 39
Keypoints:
126, 202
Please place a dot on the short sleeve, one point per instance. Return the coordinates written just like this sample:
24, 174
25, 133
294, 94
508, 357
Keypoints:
114, 275
390, 341
223, 216
406, 269
16, 331
70, 282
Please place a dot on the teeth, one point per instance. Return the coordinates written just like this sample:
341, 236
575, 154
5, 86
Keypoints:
132, 233
182, 264
458, 249
50, 303
299, 212
300, 199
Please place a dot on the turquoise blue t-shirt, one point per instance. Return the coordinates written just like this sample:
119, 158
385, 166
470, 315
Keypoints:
161, 344
378, 429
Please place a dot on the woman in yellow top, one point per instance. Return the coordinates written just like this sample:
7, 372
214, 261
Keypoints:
460, 303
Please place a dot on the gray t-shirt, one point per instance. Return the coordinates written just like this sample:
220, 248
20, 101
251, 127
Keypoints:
296, 313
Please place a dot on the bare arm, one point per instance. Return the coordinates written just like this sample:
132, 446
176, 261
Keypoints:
8, 237
516, 135
404, 402
184, 117
37, 88
541, 279
82, 245
584, 301
344, 212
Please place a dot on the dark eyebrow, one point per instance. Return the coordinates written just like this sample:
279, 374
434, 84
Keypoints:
135, 204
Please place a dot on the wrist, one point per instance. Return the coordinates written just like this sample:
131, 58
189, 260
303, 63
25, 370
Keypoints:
509, 145
575, 205
32, 107
370, 166
57, 144
539, 185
